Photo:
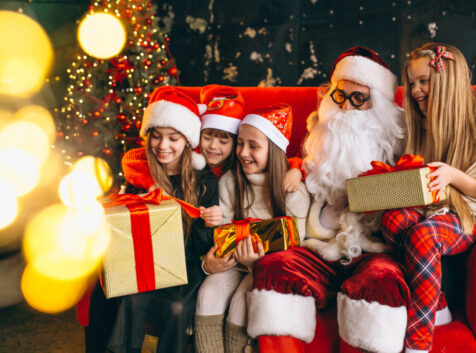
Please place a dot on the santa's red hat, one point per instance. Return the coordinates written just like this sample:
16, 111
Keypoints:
171, 107
365, 67
225, 108
275, 122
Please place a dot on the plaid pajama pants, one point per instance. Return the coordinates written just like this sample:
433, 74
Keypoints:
419, 243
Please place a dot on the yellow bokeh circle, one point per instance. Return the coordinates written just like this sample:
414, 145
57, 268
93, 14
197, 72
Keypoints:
20, 169
66, 244
51, 295
98, 168
26, 54
39, 116
101, 35
8, 204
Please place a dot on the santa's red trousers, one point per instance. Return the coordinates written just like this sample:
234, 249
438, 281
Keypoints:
289, 286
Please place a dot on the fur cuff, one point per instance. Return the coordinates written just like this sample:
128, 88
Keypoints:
371, 326
277, 314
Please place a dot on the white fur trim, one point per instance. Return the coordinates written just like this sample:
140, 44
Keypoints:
277, 314
198, 161
267, 128
371, 326
220, 122
366, 72
443, 317
168, 114
202, 108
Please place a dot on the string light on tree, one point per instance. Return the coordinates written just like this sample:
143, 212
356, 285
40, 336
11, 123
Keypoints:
106, 98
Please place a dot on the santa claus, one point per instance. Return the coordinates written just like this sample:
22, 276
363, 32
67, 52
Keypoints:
357, 122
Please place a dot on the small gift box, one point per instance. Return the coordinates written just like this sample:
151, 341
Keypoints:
385, 187
274, 234
146, 250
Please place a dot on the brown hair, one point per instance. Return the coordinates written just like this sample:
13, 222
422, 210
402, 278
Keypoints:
450, 120
188, 180
275, 173
230, 162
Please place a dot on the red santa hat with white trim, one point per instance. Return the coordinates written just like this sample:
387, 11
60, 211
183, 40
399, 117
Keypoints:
225, 108
364, 66
275, 122
171, 107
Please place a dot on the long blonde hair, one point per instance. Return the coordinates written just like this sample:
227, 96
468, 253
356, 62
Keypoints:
450, 120
188, 180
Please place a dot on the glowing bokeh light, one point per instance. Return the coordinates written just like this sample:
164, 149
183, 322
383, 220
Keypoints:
97, 167
20, 169
26, 54
39, 116
66, 244
101, 35
51, 295
5, 117
9, 204
26, 136
79, 190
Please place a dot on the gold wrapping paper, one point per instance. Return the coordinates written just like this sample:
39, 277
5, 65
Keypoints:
406, 188
274, 235
119, 275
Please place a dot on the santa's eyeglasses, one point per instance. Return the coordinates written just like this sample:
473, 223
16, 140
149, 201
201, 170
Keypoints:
357, 99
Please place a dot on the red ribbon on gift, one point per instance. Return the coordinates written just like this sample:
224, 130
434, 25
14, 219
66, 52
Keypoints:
140, 229
406, 162
242, 229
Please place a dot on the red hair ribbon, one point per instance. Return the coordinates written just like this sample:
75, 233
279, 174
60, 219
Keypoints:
437, 62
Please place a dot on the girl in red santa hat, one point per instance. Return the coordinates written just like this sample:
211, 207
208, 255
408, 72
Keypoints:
440, 110
252, 189
171, 129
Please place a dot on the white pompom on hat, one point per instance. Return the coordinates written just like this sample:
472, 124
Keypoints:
363, 66
171, 107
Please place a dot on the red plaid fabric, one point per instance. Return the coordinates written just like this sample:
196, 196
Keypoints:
419, 243
437, 62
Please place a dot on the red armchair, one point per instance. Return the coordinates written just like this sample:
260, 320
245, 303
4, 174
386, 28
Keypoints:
456, 337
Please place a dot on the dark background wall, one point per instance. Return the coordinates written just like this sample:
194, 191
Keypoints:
273, 42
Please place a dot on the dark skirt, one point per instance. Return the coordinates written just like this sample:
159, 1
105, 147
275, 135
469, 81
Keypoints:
165, 313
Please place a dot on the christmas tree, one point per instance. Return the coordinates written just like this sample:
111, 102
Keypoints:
105, 99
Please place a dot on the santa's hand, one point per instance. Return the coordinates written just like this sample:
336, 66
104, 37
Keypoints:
245, 254
215, 264
211, 215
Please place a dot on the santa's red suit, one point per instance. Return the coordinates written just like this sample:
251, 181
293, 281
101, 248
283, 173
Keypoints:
342, 257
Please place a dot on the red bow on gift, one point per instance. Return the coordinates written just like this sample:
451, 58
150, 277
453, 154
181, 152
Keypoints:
407, 161
437, 62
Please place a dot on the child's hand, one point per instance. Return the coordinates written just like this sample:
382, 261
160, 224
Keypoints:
245, 254
443, 176
215, 264
211, 215
292, 179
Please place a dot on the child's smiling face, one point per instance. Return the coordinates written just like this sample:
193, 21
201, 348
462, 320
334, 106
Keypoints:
215, 149
418, 72
252, 149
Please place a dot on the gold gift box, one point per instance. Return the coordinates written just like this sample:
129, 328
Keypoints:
274, 233
119, 275
399, 189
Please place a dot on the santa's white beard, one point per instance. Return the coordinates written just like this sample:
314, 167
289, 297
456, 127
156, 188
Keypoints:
344, 142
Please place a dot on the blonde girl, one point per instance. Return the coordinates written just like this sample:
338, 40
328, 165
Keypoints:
440, 110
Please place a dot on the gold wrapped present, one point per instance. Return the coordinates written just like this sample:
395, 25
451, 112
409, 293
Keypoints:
274, 234
146, 250
385, 187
